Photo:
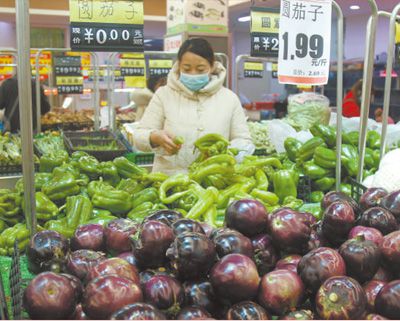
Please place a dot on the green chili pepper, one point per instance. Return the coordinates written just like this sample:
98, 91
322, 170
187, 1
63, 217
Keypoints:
178, 140
146, 195
262, 180
266, 197
172, 182
202, 205
292, 202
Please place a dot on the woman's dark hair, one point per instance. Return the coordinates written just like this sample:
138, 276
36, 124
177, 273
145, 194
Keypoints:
198, 46
153, 81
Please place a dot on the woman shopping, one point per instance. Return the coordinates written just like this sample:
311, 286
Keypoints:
192, 104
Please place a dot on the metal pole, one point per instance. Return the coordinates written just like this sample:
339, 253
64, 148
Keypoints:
367, 83
25, 111
96, 91
38, 96
388, 80
339, 93
113, 119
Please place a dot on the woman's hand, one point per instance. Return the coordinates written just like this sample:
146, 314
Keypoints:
161, 138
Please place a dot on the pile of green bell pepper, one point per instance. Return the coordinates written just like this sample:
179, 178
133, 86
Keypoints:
8, 237
10, 206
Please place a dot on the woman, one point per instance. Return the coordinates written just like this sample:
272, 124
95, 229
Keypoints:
192, 104
351, 102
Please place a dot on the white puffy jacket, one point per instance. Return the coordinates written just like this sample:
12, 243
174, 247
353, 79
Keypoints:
182, 112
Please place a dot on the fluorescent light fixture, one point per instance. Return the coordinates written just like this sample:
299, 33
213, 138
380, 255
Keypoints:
244, 19
67, 102
355, 7
148, 40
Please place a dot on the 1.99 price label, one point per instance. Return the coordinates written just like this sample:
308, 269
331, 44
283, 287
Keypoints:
304, 34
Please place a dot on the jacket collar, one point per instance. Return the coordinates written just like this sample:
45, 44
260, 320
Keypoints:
216, 82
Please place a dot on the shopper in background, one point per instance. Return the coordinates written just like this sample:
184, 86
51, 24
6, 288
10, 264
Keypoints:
378, 116
142, 97
9, 103
192, 104
352, 101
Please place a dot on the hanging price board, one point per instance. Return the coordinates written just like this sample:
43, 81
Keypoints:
106, 25
264, 32
133, 70
253, 69
6, 71
305, 38
160, 66
68, 71
274, 70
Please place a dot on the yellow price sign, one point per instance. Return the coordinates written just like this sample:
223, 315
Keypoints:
254, 66
136, 63
160, 63
264, 20
397, 32
69, 80
135, 82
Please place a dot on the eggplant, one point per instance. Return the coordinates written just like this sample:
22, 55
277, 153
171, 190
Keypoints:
299, 315
390, 249
107, 294
341, 298
164, 216
80, 262
289, 262
362, 258
235, 278
233, 243
318, 265
247, 310
146, 275
373, 316
79, 314
154, 240
47, 251
128, 257
138, 311
369, 233
392, 203
281, 291
338, 220
383, 274
50, 296
317, 238
379, 218
76, 284
372, 289
290, 230
207, 228
115, 266
387, 302
89, 237
334, 196
247, 216
372, 197
187, 225
201, 294
265, 254
117, 233
193, 313
191, 255
165, 293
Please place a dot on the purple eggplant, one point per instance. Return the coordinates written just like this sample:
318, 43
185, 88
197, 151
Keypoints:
333, 196
372, 197
338, 220
299, 315
390, 248
289, 262
193, 313
362, 258
392, 203
146, 275
164, 216
89, 237
317, 238
247, 216
247, 310
379, 218
187, 225
373, 316
369, 233
117, 233
265, 254
128, 257
383, 275
281, 291
235, 278
76, 284
80, 262
372, 289
318, 265
387, 302
138, 311
341, 298
201, 294
114, 266
233, 243
192, 255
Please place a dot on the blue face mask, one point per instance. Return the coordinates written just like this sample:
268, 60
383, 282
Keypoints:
194, 82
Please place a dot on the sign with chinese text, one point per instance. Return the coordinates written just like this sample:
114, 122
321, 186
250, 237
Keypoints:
274, 70
68, 71
45, 62
106, 25
305, 40
133, 70
264, 32
160, 66
6, 71
253, 69
173, 43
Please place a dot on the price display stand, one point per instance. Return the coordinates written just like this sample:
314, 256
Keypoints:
96, 91
112, 63
388, 80
367, 83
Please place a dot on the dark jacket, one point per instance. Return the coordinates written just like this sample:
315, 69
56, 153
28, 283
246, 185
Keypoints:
8, 96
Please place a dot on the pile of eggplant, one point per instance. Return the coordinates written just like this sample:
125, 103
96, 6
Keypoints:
260, 266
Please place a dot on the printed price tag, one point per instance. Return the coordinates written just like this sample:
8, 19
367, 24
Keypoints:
264, 32
253, 69
68, 71
160, 66
305, 38
106, 25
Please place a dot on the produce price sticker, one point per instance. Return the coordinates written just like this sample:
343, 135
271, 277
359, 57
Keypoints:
305, 40
106, 25
160, 66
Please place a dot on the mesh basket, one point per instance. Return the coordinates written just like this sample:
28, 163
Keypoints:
357, 189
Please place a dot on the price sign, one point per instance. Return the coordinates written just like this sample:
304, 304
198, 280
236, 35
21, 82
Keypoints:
160, 66
253, 69
133, 70
106, 25
305, 37
264, 32
274, 70
68, 71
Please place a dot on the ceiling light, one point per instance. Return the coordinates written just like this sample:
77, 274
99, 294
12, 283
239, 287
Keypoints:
354, 7
244, 19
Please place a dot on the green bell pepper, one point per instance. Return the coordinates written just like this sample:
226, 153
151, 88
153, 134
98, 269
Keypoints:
10, 204
61, 227
40, 180
147, 195
373, 140
52, 160
324, 184
8, 237
324, 157
127, 169
369, 158
327, 133
285, 184
97, 186
292, 202
316, 196
102, 219
109, 173
292, 147
345, 188
312, 208
66, 168
45, 208
350, 159
129, 185
78, 210
117, 202
90, 166
100, 212
306, 151
60, 187
351, 138
314, 171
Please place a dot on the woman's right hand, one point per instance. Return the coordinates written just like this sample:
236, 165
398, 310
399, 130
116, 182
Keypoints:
160, 138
